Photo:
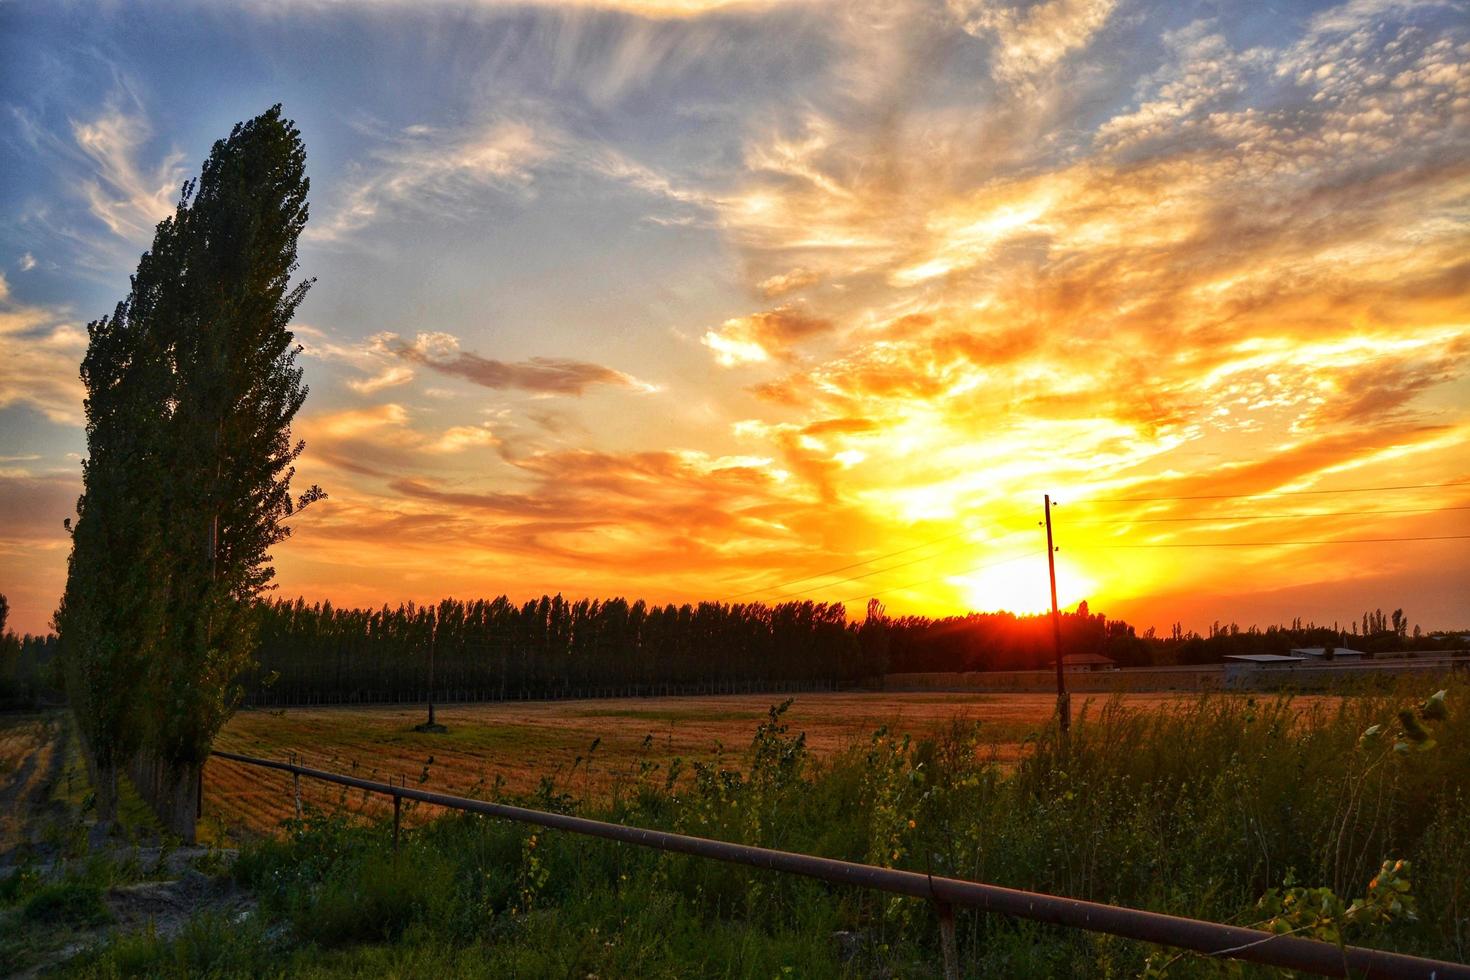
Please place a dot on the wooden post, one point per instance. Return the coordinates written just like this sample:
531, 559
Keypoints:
1064, 702
397, 819
296, 786
947, 944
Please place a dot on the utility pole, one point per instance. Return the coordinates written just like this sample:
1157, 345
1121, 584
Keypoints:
1064, 701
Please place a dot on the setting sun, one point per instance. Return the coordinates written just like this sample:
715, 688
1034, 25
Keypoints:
1023, 587
756, 301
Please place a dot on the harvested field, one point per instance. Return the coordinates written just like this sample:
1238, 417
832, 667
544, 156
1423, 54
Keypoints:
516, 745
32, 757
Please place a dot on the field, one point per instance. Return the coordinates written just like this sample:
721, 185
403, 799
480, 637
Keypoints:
516, 745
1267, 811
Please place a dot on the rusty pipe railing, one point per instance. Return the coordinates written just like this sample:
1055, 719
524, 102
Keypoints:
1208, 938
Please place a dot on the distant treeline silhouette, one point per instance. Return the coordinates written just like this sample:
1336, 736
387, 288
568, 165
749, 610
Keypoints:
554, 647
27, 666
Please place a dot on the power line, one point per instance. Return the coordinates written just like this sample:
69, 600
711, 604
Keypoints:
1272, 544
875, 571
853, 578
1269, 517
1273, 493
843, 568
936, 578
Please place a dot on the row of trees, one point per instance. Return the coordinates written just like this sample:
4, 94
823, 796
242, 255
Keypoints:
1380, 635
554, 647
191, 386
551, 647
27, 677
1006, 641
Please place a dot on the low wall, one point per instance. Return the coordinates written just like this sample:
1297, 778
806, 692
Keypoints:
1206, 678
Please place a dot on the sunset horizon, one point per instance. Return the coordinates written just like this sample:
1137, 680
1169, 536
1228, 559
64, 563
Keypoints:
789, 301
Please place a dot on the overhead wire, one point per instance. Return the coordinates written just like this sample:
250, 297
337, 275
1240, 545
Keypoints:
851, 578
1221, 518
1270, 493
936, 578
777, 587
1274, 544
875, 571
843, 568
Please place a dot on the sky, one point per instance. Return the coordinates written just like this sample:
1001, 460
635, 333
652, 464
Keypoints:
814, 300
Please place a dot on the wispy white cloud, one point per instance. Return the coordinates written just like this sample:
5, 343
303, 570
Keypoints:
27, 262
127, 195
1032, 38
441, 352
1348, 17
391, 376
427, 170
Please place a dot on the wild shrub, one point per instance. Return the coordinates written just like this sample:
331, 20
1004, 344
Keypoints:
69, 903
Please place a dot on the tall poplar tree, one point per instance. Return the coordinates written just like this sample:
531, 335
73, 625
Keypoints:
109, 619
190, 473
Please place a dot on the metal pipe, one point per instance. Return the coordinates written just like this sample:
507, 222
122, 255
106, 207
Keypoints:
1209, 938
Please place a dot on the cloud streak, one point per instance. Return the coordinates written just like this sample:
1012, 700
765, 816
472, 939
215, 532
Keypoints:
441, 352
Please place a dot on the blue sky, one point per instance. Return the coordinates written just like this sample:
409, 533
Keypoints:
685, 299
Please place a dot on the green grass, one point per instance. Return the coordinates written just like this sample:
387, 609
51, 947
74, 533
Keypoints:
1197, 811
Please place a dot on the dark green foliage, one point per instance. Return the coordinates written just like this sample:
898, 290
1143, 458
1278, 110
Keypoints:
191, 389
210, 945
73, 903
234, 390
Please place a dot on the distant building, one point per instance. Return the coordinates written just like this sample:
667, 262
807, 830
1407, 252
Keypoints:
1238, 666
1085, 662
1320, 653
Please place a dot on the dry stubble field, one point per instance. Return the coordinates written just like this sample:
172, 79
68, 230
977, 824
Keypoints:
519, 743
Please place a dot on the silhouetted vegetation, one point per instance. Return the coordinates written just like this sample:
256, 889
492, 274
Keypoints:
554, 647
28, 674
191, 388
551, 647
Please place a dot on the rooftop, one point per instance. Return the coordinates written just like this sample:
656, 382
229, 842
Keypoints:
1321, 651
1264, 658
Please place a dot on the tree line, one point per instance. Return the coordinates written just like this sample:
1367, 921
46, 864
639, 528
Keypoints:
555, 647
28, 675
551, 647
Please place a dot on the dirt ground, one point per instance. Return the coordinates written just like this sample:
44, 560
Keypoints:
520, 743
33, 777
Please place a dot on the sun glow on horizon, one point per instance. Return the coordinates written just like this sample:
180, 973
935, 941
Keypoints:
1021, 587
685, 335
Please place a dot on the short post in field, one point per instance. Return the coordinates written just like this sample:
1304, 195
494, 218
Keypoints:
431, 725
296, 786
947, 944
1064, 702
397, 819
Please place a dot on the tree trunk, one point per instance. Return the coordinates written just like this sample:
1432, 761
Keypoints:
177, 805
103, 777
104, 787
